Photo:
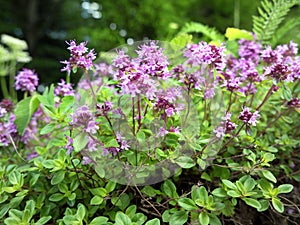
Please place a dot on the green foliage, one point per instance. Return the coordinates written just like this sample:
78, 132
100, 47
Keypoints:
271, 14
209, 32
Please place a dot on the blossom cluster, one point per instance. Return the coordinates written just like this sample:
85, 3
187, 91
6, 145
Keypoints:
80, 57
26, 80
8, 129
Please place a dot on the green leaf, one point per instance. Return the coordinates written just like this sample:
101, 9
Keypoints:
48, 128
181, 40
99, 191
264, 205
30, 205
233, 193
81, 211
229, 184
271, 14
100, 220
131, 211
268, 175
235, 33
214, 220
203, 218
179, 218
122, 219
121, 201
96, 200
153, 222
210, 32
43, 220
110, 186
66, 104
252, 202
285, 188
56, 197
277, 204
249, 184
16, 178
24, 110
80, 141
185, 162
187, 204
58, 177
111, 143
287, 93
169, 189
219, 192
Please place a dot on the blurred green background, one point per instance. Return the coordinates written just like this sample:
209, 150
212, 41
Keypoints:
105, 24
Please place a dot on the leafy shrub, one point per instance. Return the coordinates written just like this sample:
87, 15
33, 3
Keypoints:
157, 133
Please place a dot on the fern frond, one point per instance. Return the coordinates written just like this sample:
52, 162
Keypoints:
284, 29
210, 32
271, 14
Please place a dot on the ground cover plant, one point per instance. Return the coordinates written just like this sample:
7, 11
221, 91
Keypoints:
179, 132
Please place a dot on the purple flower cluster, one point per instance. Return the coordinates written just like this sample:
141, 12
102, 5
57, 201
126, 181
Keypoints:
166, 102
136, 75
8, 129
80, 57
104, 108
197, 71
294, 103
226, 127
63, 89
26, 80
248, 117
83, 117
204, 53
163, 132
242, 74
123, 145
283, 64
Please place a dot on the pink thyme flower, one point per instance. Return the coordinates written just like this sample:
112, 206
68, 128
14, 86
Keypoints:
64, 89
247, 117
26, 80
80, 57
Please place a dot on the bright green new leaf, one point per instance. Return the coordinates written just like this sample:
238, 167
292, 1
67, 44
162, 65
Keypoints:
235, 33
